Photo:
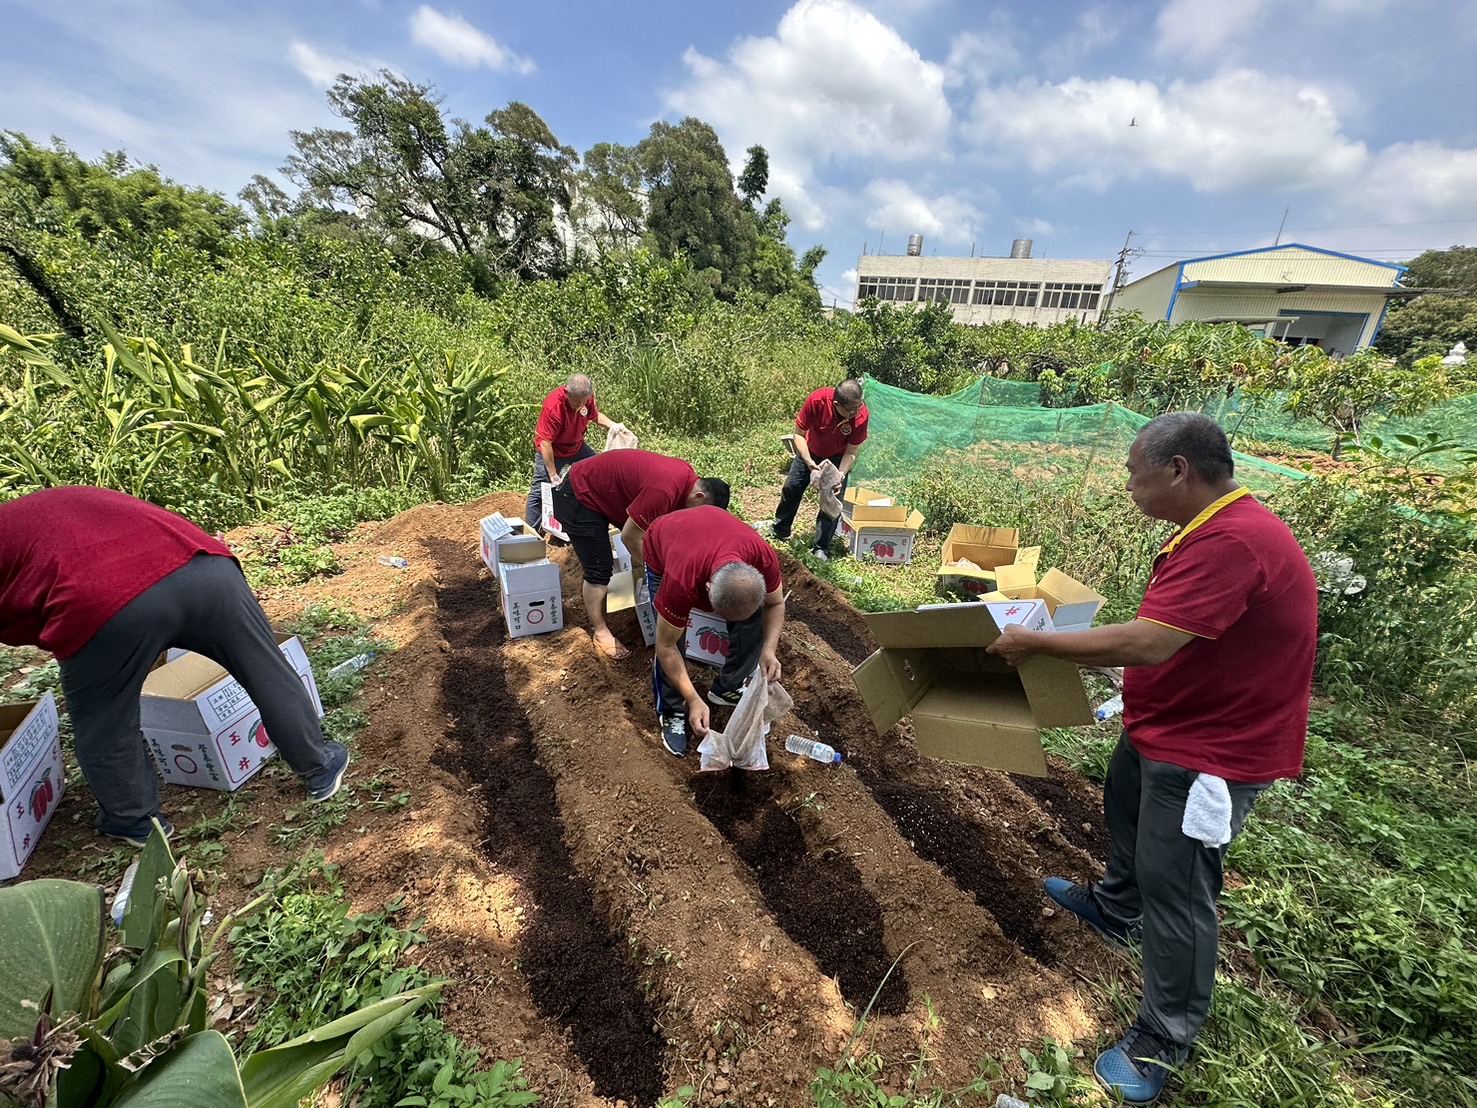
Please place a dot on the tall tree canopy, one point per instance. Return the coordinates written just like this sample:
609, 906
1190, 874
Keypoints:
1434, 324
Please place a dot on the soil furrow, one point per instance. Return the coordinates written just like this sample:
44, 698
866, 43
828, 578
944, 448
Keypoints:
576, 969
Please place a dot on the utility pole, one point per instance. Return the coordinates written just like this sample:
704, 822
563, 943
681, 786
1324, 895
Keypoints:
1118, 271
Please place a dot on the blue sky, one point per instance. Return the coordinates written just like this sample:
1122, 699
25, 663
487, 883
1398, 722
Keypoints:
1192, 123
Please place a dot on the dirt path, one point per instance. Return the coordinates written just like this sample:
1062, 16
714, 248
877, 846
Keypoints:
628, 925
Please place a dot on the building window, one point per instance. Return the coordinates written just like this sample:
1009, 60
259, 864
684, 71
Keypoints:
950, 292
1060, 295
1010, 294
886, 288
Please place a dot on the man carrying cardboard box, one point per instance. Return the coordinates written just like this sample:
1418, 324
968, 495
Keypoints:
706, 558
628, 489
559, 438
834, 426
1215, 708
107, 583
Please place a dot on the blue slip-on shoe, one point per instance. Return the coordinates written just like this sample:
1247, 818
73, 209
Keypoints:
327, 782
1078, 900
674, 735
1138, 1067
138, 834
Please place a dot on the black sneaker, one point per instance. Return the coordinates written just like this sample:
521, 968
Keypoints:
674, 734
1137, 1068
725, 699
1078, 900
326, 783
138, 835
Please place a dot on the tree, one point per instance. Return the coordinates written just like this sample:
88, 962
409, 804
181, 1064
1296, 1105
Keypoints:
609, 196
1455, 268
754, 180
495, 194
1427, 325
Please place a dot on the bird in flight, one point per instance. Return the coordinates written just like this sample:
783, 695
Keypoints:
1134, 122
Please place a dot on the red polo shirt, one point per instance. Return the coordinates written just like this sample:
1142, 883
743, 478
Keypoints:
561, 426
72, 558
1233, 701
634, 483
825, 433
686, 548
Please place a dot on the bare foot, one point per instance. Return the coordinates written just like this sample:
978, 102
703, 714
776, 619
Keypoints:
610, 646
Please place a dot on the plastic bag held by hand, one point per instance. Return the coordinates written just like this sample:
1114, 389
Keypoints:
741, 743
824, 480
620, 437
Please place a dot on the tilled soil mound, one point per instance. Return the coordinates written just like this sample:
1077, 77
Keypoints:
628, 925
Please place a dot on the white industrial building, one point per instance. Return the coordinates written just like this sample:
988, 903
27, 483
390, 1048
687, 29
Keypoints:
983, 290
1297, 294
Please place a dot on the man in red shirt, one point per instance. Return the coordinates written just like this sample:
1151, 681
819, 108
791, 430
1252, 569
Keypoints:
1219, 668
628, 489
833, 426
107, 583
708, 559
559, 438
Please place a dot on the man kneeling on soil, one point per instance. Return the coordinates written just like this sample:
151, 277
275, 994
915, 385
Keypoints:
629, 489
1215, 708
706, 558
107, 583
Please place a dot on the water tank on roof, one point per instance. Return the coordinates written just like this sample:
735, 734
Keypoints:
915, 246
1020, 248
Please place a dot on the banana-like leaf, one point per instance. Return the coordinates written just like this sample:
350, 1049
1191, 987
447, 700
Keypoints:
282, 1076
54, 935
200, 1071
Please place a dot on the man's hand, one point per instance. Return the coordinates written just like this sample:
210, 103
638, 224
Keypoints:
697, 716
836, 488
769, 665
1015, 644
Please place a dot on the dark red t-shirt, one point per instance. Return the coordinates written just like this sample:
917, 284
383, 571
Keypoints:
1233, 701
71, 558
686, 548
561, 426
634, 483
825, 432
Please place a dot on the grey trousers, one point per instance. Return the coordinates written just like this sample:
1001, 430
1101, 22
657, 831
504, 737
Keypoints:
535, 506
1158, 874
204, 606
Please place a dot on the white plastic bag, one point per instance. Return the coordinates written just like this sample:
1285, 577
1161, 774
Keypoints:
741, 743
620, 437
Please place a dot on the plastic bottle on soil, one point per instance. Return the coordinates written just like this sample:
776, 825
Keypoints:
1109, 708
357, 662
397, 563
813, 748
120, 898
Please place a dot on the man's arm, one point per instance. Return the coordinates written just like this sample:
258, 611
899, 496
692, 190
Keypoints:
848, 458
802, 448
603, 420
669, 657
546, 448
1140, 643
773, 620
635, 538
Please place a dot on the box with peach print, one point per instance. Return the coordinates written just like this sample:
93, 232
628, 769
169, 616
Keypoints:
876, 527
707, 638
30, 778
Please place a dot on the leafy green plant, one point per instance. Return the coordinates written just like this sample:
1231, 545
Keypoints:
1051, 1077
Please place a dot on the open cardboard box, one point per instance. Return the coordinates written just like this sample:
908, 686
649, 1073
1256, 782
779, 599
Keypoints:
31, 779
873, 525
988, 548
966, 705
532, 597
625, 592
201, 726
495, 530
1073, 606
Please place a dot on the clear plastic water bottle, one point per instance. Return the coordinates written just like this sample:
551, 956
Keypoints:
397, 563
1109, 708
120, 898
357, 662
813, 748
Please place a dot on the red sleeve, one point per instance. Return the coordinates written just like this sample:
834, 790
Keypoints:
770, 568
859, 428
808, 411
550, 420
1204, 586
663, 603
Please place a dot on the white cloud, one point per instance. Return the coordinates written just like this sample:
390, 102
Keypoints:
895, 207
323, 69
1411, 181
832, 83
1093, 29
1237, 130
978, 56
453, 39
1035, 226
1211, 28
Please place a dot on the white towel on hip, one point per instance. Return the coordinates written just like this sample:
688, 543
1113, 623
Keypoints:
1208, 811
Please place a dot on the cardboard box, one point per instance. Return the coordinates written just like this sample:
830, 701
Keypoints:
986, 547
546, 515
31, 778
532, 598
1073, 606
966, 705
200, 725
875, 527
707, 638
495, 530
626, 593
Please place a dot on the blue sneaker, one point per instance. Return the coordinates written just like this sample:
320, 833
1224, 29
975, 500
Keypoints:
1078, 900
138, 834
674, 735
1137, 1068
327, 782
